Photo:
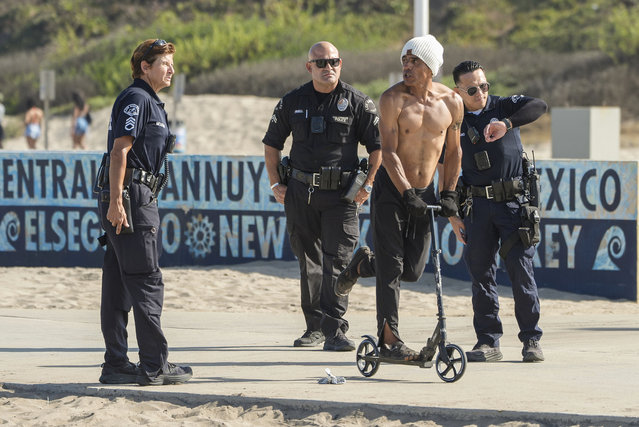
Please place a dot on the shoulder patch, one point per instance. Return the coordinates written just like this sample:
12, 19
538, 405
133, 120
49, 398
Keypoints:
516, 98
369, 106
132, 110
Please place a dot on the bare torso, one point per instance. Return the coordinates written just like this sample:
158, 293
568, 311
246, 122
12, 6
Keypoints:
33, 116
415, 131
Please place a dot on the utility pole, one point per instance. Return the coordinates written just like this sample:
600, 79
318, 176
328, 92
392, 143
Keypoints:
47, 93
420, 17
420, 28
178, 125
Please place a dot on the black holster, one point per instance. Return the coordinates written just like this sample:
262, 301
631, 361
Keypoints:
102, 175
284, 170
464, 200
126, 203
529, 231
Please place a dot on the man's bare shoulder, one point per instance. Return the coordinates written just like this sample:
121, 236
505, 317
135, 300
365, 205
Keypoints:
394, 97
442, 90
397, 90
449, 96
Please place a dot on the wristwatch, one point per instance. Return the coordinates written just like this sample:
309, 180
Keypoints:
368, 188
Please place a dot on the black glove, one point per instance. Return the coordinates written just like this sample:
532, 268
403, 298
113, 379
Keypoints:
414, 205
449, 200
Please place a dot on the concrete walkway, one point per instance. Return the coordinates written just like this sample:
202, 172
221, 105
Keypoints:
590, 376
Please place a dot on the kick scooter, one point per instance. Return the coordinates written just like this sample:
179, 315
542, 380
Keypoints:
450, 362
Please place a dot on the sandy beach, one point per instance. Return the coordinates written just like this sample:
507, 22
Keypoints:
231, 125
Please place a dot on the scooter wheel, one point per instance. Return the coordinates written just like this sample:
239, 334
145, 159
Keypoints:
366, 351
451, 366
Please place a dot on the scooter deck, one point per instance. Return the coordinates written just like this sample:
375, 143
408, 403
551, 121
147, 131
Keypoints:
380, 359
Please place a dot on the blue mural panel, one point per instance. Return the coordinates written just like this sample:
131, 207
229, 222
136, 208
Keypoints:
219, 210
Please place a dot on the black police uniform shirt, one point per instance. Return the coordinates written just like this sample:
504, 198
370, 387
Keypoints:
138, 112
347, 117
504, 154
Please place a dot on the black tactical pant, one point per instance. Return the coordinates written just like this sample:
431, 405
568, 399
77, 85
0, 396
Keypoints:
131, 277
401, 246
323, 235
489, 223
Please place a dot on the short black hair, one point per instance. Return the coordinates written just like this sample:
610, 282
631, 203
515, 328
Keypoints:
465, 67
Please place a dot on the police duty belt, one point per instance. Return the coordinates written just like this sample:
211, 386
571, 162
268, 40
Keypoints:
327, 179
499, 191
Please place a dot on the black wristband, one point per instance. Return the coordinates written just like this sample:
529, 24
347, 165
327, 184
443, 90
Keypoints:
508, 123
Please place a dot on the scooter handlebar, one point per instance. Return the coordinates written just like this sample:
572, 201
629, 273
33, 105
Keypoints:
434, 208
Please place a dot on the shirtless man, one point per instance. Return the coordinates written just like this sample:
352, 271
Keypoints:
32, 122
417, 118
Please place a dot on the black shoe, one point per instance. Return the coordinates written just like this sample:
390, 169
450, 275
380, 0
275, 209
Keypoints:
309, 339
484, 353
339, 343
532, 351
174, 374
347, 278
126, 374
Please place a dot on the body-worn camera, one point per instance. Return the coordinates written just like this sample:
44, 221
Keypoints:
482, 161
317, 124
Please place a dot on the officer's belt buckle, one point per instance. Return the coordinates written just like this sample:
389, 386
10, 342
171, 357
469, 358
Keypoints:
315, 181
490, 192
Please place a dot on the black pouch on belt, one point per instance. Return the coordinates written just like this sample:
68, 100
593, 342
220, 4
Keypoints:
330, 177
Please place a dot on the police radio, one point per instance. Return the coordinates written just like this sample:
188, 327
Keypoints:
357, 181
529, 231
532, 187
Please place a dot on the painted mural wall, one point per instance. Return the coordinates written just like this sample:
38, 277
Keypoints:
219, 210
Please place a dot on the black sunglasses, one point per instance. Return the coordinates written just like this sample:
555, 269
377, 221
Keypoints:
473, 89
321, 63
158, 42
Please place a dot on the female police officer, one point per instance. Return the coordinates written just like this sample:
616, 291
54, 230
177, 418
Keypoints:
138, 141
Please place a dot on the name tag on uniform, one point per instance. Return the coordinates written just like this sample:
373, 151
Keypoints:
341, 119
162, 125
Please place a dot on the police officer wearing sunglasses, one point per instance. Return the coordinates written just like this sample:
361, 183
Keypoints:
129, 180
496, 196
322, 186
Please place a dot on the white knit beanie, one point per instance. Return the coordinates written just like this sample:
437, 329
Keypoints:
426, 48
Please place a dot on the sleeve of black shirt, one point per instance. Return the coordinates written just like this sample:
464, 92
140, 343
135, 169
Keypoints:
279, 128
367, 126
522, 110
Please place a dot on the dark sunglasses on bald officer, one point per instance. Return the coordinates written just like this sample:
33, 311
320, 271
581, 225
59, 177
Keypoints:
321, 63
471, 91
158, 42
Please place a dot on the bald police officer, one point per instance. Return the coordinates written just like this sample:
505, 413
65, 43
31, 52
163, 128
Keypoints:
327, 119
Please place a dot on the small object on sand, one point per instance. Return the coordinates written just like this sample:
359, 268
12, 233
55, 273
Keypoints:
331, 379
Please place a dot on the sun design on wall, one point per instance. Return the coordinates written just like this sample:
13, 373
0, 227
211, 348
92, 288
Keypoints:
199, 236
